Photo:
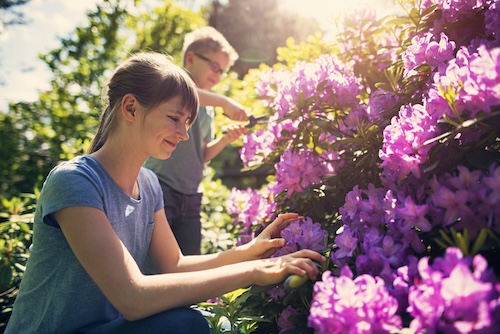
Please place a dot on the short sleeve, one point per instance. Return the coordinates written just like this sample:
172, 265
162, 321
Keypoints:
70, 185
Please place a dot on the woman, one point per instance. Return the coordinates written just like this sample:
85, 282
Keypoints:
101, 214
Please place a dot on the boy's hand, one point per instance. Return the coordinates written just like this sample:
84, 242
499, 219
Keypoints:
234, 110
233, 132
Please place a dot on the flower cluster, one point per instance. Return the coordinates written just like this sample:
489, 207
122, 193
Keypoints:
256, 146
465, 16
346, 305
250, 207
303, 234
394, 169
326, 79
403, 151
441, 299
438, 296
298, 170
467, 200
472, 82
425, 50
380, 230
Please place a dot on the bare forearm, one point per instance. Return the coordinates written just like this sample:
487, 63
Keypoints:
157, 293
215, 147
210, 261
208, 98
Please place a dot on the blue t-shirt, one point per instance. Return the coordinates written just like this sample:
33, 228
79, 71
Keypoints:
56, 294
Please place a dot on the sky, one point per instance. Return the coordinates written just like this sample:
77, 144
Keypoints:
24, 75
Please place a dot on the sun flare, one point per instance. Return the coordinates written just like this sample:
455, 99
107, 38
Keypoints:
327, 12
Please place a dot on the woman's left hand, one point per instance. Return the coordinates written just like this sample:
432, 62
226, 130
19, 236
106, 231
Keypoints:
269, 240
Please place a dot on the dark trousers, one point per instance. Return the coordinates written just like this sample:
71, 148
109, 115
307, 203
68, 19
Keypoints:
184, 216
182, 320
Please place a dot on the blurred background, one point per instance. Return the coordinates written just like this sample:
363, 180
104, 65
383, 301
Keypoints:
255, 28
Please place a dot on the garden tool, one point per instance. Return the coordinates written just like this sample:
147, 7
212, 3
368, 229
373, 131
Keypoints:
252, 120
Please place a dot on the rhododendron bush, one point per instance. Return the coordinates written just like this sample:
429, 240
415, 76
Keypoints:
388, 143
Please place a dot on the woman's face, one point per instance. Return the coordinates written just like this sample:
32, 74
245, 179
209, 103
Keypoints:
164, 127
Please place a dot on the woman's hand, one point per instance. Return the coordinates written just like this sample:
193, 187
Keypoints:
269, 240
275, 270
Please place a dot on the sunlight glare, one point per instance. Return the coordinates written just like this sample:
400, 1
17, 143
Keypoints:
327, 12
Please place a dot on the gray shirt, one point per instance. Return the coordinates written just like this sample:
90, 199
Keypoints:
56, 294
183, 171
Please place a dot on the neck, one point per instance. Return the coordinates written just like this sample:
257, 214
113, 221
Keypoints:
122, 166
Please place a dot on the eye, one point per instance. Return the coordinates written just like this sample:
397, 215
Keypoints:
175, 119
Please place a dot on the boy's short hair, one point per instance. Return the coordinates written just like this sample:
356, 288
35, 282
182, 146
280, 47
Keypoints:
208, 39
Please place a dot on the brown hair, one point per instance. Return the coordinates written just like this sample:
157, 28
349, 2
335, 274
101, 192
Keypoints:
208, 39
153, 79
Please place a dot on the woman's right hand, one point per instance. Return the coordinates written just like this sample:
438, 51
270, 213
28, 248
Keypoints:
277, 269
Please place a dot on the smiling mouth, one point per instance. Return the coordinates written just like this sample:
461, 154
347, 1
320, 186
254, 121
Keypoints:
170, 143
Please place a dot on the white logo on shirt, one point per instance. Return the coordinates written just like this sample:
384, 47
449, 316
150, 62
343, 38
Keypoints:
129, 210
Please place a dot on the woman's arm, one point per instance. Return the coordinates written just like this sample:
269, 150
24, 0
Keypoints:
136, 296
263, 246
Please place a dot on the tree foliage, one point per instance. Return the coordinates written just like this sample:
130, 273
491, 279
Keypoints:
10, 13
257, 28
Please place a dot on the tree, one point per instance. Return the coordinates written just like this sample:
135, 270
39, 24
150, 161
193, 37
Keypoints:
36, 136
257, 28
61, 123
9, 15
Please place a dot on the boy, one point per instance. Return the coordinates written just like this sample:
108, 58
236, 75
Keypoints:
207, 57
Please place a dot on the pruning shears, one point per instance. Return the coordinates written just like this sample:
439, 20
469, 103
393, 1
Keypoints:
253, 121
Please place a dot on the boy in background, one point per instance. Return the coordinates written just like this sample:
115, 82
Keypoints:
207, 58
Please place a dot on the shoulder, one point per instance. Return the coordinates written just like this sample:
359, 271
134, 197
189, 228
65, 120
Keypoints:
81, 175
82, 165
148, 175
77, 182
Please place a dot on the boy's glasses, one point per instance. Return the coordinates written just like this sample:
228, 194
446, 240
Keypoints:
213, 65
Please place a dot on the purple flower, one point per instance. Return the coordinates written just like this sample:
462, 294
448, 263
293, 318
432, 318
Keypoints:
414, 215
303, 234
425, 50
403, 150
472, 79
442, 299
251, 207
284, 322
462, 15
346, 242
343, 305
256, 146
297, 170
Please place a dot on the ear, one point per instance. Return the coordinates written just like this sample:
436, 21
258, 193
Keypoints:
128, 107
188, 59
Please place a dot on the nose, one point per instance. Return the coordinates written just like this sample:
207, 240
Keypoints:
182, 132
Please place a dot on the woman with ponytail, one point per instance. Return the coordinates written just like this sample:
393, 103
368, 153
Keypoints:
100, 217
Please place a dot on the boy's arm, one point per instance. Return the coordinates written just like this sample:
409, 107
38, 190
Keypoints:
233, 132
232, 109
